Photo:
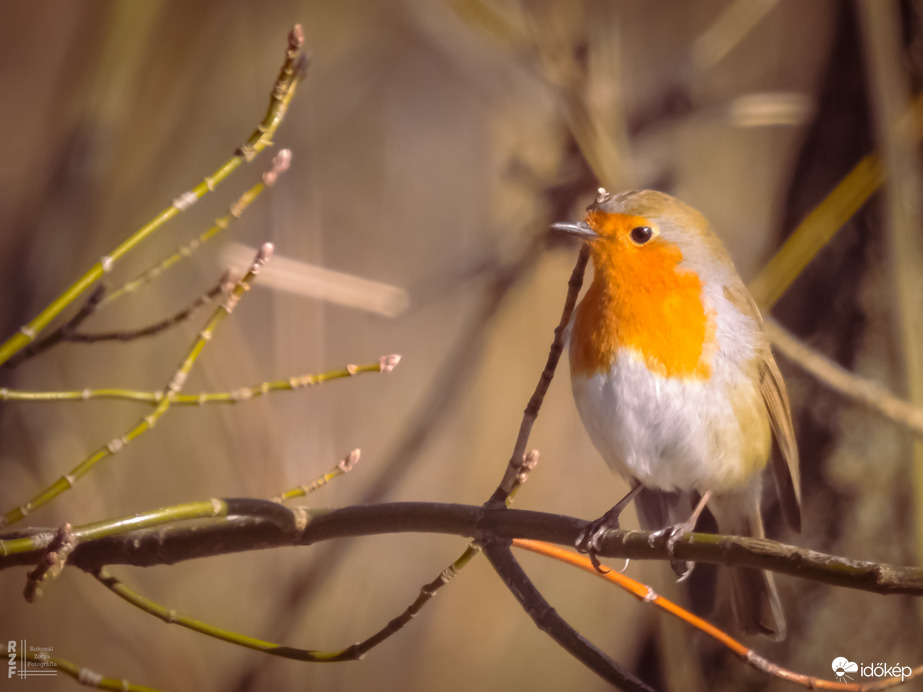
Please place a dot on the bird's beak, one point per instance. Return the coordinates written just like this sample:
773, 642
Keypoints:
580, 230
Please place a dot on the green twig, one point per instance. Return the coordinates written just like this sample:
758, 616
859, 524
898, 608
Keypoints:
186, 511
236, 396
66, 482
68, 332
172, 617
82, 674
282, 93
345, 465
280, 164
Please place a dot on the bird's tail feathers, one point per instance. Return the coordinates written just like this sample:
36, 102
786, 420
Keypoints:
754, 598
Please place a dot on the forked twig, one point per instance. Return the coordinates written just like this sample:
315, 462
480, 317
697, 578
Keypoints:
548, 620
646, 594
99, 297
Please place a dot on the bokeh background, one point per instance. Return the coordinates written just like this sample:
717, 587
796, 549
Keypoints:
433, 144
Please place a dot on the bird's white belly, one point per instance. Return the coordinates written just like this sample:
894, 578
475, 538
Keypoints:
668, 433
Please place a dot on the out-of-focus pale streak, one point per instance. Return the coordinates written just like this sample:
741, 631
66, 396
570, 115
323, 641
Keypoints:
311, 281
770, 108
728, 30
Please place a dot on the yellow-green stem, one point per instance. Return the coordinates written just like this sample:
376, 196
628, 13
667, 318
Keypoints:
152, 398
281, 96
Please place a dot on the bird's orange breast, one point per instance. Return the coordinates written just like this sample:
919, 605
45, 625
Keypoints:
641, 299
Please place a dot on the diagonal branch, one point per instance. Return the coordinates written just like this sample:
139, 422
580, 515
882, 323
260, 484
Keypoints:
547, 619
544, 381
861, 390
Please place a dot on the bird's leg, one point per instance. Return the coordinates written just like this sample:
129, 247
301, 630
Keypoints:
682, 568
592, 533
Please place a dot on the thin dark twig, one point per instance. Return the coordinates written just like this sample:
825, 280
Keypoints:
131, 334
544, 381
437, 403
428, 590
547, 619
55, 337
67, 333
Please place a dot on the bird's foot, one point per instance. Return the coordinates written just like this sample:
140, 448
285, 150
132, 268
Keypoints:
589, 539
681, 568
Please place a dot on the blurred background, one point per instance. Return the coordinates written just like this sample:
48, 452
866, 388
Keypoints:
433, 143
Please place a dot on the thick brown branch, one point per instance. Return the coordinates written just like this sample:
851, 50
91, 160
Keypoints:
175, 544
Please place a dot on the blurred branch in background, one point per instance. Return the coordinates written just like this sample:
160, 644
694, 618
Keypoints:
318, 283
899, 138
730, 27
866, 392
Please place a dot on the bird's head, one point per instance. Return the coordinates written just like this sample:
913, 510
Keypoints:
647, 232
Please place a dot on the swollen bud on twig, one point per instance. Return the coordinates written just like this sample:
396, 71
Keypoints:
296, 37
349, 461
280, 164
388, 363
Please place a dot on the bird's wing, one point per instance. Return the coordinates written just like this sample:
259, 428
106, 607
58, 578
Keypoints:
784, 462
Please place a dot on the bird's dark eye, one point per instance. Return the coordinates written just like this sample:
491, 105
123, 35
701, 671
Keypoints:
641, 234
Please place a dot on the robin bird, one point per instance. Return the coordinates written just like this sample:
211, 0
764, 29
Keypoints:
676, 385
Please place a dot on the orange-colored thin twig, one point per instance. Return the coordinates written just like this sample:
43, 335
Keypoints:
646, 594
